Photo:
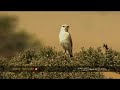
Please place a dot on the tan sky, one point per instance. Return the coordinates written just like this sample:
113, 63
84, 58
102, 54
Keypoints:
87, 28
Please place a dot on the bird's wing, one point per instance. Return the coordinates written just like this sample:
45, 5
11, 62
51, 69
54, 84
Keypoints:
70, 40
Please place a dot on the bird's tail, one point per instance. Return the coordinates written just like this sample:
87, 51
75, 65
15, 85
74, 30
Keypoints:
71, 54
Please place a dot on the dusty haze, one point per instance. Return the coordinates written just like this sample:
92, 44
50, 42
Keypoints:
87, 28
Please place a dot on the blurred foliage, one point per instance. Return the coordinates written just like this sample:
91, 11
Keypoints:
7, 24
12, 39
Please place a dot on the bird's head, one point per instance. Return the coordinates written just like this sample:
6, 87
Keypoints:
65, 27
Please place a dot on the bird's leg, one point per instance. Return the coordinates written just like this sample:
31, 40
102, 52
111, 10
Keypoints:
65, 52
65, 55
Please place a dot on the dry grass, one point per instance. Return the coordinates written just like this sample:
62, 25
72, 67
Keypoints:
50, 58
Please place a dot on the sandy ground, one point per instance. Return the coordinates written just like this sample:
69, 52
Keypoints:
112, 75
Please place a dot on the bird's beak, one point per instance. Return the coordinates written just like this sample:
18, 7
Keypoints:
67, 27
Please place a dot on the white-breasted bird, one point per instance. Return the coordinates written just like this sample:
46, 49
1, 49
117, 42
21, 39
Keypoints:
65, 39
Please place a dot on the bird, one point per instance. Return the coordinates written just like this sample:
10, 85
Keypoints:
106, 49
105, 46
66, 40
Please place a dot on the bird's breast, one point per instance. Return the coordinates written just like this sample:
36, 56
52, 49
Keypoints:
63, 36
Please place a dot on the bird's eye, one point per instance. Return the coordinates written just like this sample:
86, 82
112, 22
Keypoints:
63, 26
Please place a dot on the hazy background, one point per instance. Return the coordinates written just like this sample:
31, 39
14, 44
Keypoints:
87, 28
